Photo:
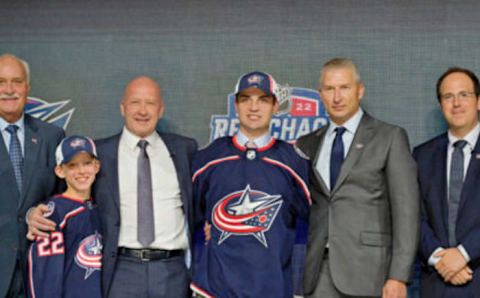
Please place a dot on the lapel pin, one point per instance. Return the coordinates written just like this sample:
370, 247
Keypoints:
477, 156
359, 146
34, 140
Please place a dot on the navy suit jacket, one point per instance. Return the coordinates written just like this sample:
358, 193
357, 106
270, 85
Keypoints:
39, 183
432, 162
106, 193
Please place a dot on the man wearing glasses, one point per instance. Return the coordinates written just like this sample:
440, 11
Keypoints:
449, 167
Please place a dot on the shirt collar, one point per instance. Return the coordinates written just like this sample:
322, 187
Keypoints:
131, 140
20, 123
351, 124
471, 137
261, 141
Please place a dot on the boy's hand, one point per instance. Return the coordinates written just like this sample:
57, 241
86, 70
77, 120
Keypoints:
38, 226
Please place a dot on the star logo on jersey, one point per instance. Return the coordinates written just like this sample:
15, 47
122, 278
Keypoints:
246, 212
89, 254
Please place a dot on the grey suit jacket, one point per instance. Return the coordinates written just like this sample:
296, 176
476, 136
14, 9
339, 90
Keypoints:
39, 181
371, 218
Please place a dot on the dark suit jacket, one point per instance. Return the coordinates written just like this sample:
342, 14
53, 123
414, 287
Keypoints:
106, 193
371, 218
432, 162
41, 140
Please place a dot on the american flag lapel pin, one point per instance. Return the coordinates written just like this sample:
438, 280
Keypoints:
34, 141
359, 145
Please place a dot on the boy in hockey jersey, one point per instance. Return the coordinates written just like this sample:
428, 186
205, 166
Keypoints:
250, 189
68, 262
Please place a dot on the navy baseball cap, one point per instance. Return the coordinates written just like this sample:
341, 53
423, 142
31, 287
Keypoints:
257, 79
71, 146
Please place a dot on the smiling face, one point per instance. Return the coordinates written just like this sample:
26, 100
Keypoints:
255, 109
459, 103
14, 88
79, 174
341, 93
142, 106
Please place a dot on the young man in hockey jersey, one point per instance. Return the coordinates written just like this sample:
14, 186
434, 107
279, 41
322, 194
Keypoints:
68, 262
249, 189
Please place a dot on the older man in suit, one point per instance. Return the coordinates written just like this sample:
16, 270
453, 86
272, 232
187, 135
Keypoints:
449, 175
27, 159
144, 195
364, 219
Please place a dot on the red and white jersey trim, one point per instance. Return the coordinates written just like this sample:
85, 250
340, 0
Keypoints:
212, 163
293, 173
72, 213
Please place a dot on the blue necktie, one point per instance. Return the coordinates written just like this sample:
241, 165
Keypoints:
336, 157
16, 157
146, 228
455, 188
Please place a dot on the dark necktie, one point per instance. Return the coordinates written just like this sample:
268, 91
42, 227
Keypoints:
455, 188
336, 156
16, 157
146, 228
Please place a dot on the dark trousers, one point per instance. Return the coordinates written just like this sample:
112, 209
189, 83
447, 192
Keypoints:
151, 279
17, 284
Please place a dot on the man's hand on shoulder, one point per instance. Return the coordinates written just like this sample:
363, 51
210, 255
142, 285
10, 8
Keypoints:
37, 224
394, 289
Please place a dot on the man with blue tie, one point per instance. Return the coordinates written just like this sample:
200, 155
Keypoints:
364, 219
27, 159
449, 167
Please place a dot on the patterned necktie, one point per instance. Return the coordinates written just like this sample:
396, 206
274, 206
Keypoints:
336, 156
16, 157
455, 188
146, 228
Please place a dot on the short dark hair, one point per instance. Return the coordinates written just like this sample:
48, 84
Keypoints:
467, 72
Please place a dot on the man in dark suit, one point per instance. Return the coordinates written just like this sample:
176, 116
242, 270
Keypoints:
364, 219
144, 196
449, 176
27, 159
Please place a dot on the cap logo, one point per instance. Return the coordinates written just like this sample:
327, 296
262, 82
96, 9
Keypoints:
77, 143
254, 79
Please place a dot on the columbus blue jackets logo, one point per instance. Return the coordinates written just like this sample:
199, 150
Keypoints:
45, 111
89, 254
247, 212
300, 112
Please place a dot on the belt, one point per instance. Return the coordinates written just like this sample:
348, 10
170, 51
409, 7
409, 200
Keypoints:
149, 254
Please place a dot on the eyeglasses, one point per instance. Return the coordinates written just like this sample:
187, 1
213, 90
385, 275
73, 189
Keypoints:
463, 95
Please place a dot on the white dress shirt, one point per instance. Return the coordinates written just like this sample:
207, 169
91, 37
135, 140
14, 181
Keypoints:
259, 142
351, 126
170, 223
471, 139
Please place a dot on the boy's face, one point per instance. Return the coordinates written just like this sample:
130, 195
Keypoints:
79, 173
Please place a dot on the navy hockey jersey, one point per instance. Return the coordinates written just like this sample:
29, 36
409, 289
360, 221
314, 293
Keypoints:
252, 198
68, 263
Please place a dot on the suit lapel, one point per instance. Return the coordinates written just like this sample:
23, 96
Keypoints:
469, 185
7, 166
314, 154
109, 163
361, 138
32, 146
438, 186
